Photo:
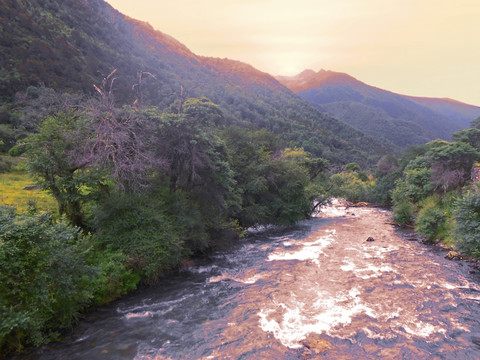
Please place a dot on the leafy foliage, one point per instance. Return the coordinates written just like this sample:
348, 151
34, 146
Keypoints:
273, 189
351, 185
139, 227
44, 278
56, 170
430, 220
403, 212
433, 178
467, 228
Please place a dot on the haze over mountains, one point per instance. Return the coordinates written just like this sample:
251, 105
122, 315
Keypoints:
402, 120
70, 45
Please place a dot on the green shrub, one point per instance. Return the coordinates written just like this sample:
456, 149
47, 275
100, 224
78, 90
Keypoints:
113, 279
467, 228
139, 227
45, 280
430, 220
403, 212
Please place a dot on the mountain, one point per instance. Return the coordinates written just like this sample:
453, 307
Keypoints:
70, 45
398, 119
452, 109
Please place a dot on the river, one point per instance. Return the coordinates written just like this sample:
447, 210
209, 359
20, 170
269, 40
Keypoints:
318, 290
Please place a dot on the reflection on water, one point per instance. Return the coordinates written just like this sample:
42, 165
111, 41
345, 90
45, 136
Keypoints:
319, 289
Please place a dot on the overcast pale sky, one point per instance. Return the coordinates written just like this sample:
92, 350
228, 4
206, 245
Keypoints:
413, 47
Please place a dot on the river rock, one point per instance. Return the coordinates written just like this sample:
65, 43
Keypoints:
317, 345
451, 255
476, 340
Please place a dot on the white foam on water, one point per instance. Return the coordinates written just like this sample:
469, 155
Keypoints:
202, 269
336, 208
366, 272
381, 251
422, 329
139, 315
308, 250
291, 322
244, 280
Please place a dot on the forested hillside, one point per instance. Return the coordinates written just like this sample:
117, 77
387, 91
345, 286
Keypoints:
70, 45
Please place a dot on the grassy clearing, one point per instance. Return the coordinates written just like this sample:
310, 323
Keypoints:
12, 192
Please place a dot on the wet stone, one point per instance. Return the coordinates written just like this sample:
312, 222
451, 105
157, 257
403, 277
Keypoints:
451, 255
317, 345
476, 340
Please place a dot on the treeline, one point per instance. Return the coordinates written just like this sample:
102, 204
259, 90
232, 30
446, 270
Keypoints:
429, 188
139, 190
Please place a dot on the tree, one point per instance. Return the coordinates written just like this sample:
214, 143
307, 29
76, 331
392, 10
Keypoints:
53, 161
469, 136
431, 219
272, 187
124, 144
451, 164
188, 141
475, 123
198, 164
124, 140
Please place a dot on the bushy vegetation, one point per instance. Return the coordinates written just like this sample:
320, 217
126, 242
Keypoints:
140, 227
430, 221
434, 191
45, 279
352, 184
467, 227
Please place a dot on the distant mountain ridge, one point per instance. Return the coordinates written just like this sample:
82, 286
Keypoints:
401, 120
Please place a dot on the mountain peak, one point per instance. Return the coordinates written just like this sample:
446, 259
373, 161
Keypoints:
309, 79
306, 73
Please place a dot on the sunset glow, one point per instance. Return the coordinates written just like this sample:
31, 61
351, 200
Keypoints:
424, 48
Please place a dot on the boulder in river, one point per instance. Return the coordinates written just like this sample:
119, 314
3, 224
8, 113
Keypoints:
452, 255
317, 345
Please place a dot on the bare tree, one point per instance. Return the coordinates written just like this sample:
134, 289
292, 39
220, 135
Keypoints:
137, 88
123, 140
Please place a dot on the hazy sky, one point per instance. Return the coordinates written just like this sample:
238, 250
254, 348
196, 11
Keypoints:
413, 47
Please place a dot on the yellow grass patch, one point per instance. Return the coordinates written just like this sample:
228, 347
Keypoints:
12, 192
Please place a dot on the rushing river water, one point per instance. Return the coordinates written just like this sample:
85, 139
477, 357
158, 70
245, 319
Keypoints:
319, 290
